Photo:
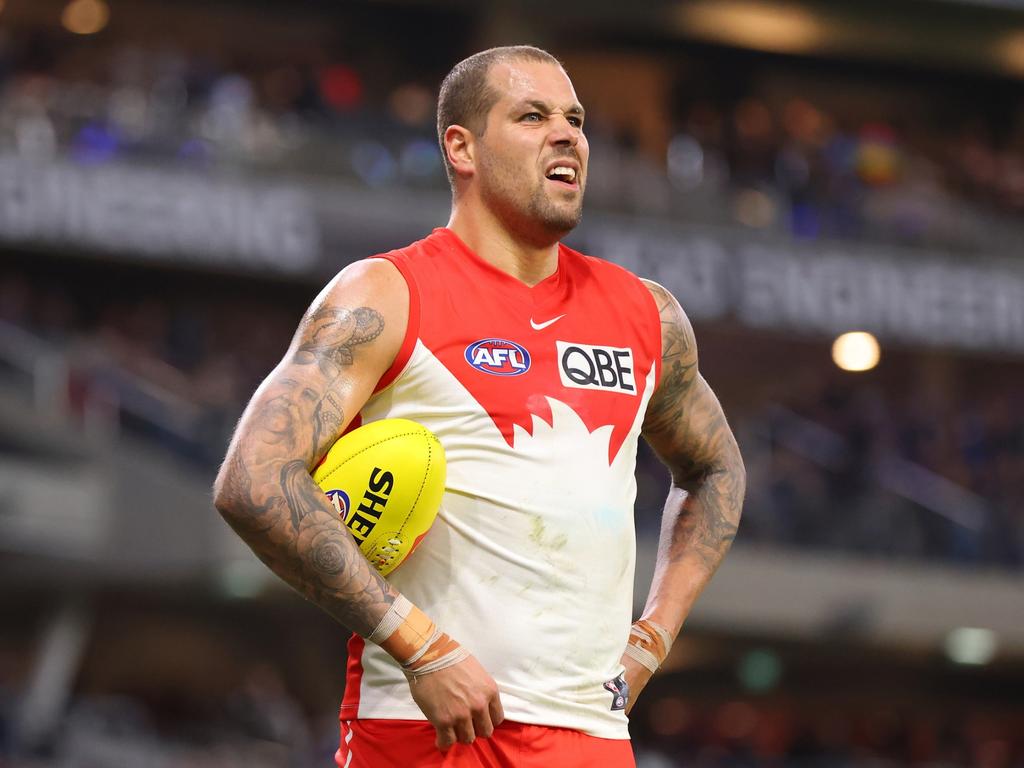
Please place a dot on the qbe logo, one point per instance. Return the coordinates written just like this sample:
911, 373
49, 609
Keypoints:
584, 366
498, 357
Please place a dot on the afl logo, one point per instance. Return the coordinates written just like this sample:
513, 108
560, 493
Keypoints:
339, 500
498, 357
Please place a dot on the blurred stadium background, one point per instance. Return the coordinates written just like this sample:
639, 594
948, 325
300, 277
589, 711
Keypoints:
177, 179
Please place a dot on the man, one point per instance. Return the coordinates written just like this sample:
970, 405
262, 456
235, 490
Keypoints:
537, 368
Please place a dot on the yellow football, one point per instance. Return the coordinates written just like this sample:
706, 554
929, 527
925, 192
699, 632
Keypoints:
386, 480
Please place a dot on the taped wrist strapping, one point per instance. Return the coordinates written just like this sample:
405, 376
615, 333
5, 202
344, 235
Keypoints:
414, 641
648, 644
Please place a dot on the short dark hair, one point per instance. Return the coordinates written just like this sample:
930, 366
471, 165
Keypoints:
465, 97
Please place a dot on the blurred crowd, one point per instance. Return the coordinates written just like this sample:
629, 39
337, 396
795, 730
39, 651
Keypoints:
311, 113
259, 724
262, 726
176, 371
841, 171
853, 467
750, 155
680, 731
841, 464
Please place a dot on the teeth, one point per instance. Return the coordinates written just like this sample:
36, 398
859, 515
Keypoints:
563, 170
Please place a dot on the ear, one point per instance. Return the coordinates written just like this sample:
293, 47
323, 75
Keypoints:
461, 150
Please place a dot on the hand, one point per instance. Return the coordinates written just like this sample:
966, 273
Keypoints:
460, 701
636, 675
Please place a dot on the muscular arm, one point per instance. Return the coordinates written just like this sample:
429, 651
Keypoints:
345, 342
685, 426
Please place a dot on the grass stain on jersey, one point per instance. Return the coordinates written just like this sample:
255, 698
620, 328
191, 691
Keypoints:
537, 536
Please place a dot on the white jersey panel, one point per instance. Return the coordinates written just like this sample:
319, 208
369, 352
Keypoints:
530, 563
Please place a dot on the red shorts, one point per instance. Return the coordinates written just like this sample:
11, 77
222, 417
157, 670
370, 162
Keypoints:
410, 744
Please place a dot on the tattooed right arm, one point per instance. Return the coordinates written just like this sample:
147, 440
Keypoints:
346, 341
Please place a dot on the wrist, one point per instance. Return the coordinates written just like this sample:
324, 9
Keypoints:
412, 639
649, 643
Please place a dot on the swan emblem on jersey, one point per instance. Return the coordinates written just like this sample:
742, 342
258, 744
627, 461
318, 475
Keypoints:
619, 689
498, 357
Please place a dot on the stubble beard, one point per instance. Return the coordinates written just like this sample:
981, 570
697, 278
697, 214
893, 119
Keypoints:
503, 192
557, 218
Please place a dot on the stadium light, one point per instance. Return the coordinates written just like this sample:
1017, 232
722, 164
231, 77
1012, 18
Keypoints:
971, 645
242, 580
1011, 52
85, 17
780, 27
856, 351
759, 670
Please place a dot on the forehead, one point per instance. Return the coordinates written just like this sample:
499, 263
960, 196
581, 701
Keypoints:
515, 81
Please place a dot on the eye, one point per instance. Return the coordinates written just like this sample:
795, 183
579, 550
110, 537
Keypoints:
575, 122
532, 117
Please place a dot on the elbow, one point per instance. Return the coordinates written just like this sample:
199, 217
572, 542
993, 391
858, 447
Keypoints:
725, 470
222, 500
736, 473
227, 499
740, 472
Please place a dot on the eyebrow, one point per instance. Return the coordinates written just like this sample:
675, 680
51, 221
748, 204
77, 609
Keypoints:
542, 106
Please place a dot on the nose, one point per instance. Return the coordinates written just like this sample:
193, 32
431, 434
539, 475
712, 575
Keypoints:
564, 132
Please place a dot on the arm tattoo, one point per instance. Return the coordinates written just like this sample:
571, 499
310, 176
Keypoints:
293, 477
327, 420
265, 491
685, 425
329, 336
328, 556
678, 364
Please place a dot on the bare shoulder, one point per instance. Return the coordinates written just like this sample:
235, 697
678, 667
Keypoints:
678, 343
368, 301
376, 274
680, 380
684, 423
346, 340
375, 283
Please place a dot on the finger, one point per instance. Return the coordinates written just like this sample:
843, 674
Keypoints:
496, 710
445, 738
482, 723
464, 731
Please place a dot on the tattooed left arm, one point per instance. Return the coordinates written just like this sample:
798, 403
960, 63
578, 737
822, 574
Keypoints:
686, 427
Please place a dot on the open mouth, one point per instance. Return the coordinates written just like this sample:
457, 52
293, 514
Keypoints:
562, 174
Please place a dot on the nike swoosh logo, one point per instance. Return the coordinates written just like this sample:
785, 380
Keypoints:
542, 326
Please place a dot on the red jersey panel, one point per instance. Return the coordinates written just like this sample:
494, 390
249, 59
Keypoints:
405, 744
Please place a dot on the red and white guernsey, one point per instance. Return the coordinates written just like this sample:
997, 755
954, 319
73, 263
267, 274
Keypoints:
537, 394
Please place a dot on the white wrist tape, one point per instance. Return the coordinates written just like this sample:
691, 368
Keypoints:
434, 637
391, 621
414, 641
449, 659
641, 656
648, 644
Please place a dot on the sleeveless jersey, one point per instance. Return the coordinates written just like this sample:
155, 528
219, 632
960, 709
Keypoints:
537, 395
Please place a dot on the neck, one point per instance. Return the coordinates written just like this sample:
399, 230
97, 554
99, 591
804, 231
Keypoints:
493, 241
